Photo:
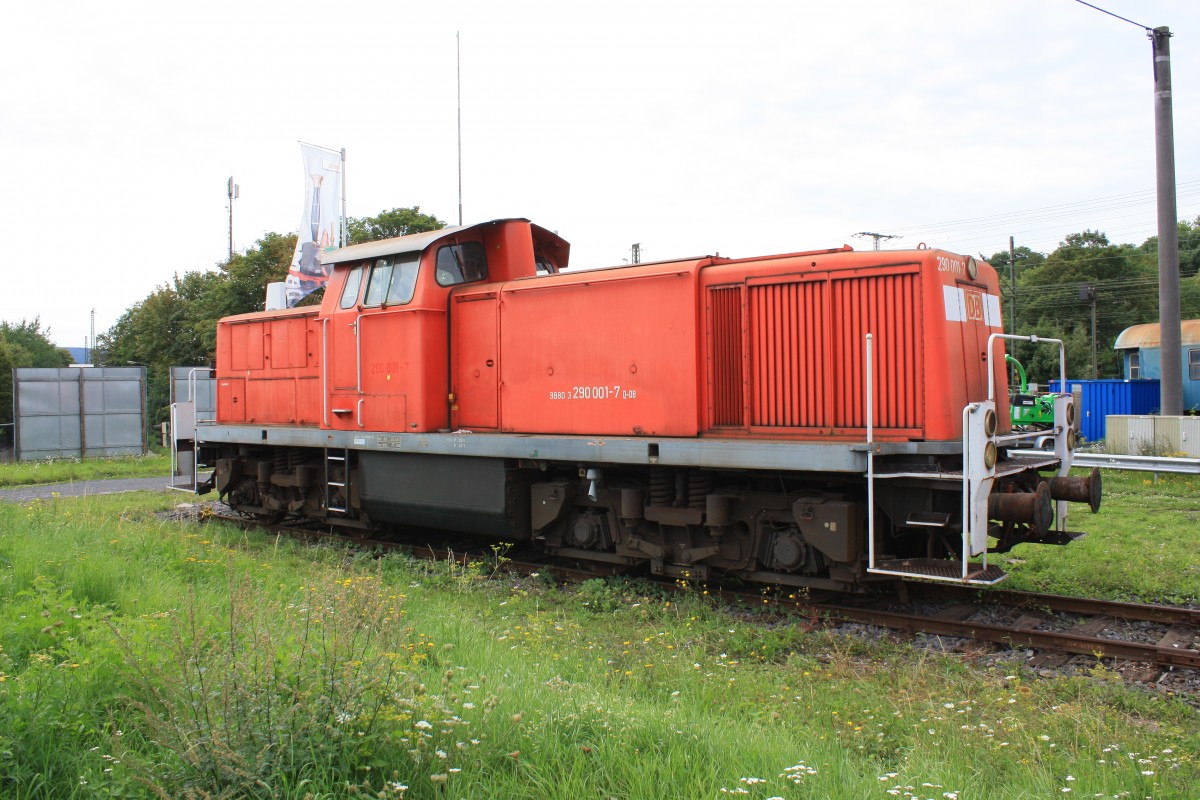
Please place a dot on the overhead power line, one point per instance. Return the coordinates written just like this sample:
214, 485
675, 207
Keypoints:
1111, 14
1107, 203
1043, 228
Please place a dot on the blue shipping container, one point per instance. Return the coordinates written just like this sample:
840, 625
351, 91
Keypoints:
1112, 396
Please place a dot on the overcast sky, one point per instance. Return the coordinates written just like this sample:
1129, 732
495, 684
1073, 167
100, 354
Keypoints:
691, 128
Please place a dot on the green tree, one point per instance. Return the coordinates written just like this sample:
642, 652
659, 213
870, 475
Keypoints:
1025, 257
1025, 260
1124, 279
39, 350
1189, 248
1189, 266
387, 224
247, 275
1189, 297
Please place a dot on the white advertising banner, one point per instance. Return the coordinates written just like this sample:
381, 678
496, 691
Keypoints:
320, 222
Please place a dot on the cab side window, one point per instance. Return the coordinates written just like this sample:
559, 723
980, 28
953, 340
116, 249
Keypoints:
350, 290
404, 279
461, 263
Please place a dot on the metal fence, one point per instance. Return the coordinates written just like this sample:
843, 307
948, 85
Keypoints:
1148, 435
1181, 466
77, 412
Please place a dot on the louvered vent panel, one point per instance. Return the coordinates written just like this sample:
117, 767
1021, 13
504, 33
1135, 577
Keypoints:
886, 307
787, 355
727, 382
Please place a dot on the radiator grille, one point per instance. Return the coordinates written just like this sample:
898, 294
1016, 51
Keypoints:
788, 355
885, 306
727, 382
791, 354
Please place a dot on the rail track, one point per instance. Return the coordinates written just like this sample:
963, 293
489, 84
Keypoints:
1158, 637
1150, 639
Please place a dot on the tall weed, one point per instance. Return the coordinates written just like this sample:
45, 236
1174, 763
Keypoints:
324, 690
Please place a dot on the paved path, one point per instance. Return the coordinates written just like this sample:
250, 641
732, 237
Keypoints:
79, 488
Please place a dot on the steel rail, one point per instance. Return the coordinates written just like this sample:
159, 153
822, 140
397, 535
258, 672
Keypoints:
1142, 612
1163, 656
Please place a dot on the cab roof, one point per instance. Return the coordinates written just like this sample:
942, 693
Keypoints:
413, 243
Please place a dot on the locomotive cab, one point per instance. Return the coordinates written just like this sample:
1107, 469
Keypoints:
385, 317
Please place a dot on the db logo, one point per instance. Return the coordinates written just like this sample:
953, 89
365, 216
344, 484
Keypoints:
974, 306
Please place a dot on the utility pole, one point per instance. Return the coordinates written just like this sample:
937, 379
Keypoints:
878, 236
232, 189
1169, 324
1012, 286
1087, 293
458, 89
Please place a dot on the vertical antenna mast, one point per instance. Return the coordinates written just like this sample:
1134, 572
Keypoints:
342, 237
458, 72
233, 194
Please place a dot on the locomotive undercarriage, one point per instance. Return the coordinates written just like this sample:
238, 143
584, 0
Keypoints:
690, 524
799, 529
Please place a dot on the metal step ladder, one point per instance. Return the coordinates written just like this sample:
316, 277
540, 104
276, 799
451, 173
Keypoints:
333, 460
978, 573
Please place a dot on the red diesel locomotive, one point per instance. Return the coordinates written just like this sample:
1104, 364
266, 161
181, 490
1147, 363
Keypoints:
820, 418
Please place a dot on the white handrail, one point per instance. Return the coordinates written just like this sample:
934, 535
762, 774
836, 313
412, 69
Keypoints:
325, 371
1034, 339
968, 409
870, 454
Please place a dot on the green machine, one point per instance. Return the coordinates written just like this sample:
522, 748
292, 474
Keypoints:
1029, 411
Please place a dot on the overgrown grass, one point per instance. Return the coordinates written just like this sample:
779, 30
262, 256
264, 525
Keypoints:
1143, 544
63, 470
148, 658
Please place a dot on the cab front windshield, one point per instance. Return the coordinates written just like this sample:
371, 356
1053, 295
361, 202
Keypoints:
393, 280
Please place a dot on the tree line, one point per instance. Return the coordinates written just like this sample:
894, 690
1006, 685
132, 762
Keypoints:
1124, 280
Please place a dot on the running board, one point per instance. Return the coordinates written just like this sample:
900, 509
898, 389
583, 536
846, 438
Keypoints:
934, 569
